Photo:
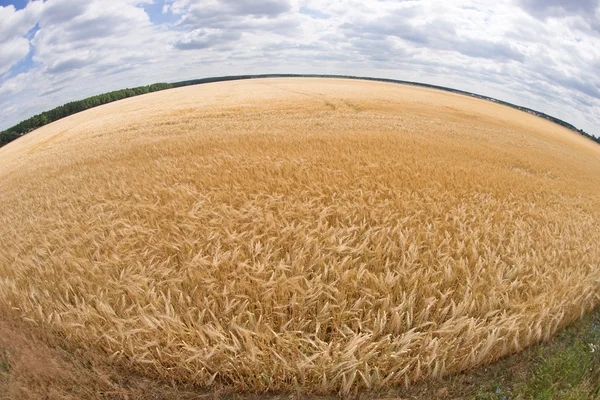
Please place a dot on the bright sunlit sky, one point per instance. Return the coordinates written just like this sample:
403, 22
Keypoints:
542, 54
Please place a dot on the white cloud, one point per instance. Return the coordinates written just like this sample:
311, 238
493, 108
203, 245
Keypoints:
205, 38
96, 34
15, 85
15, 24
12, 51
541, 54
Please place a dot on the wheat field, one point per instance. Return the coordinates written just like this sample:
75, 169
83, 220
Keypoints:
309, 235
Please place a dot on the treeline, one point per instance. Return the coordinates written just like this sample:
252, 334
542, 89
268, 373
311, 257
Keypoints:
76, 106
73, 107
505, 103
221, 79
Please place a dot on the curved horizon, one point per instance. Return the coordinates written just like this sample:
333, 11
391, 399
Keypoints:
539, 55
216, 79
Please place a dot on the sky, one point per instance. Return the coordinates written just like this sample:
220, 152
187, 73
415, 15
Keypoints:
542, 54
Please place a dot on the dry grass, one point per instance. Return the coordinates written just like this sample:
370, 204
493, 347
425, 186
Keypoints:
312, 235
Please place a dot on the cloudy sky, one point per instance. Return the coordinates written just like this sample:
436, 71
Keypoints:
543, 54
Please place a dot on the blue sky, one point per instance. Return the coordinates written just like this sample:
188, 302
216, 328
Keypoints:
543, 54
154, 11
18, 4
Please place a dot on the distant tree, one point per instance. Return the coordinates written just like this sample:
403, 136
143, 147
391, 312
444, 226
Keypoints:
73, 107
67, 109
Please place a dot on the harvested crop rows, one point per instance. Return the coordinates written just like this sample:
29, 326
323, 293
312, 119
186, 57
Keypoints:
320, 235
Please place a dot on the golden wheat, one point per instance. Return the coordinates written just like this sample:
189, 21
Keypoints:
318, 235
